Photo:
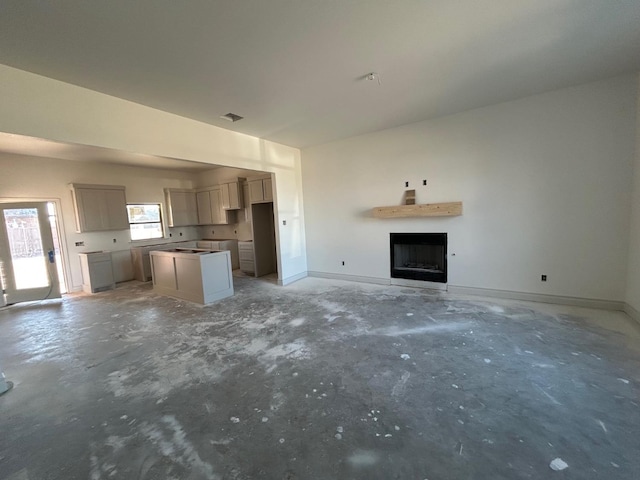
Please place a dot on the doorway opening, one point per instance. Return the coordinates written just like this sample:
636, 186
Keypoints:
30, 252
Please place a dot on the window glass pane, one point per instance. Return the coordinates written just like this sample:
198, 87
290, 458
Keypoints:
144, 231
143, 213
25, 246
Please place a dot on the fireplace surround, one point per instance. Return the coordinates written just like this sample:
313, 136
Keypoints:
419, 256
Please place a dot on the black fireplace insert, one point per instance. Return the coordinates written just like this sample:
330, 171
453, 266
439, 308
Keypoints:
419, 256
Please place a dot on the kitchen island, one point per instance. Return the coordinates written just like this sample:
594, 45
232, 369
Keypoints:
198, 275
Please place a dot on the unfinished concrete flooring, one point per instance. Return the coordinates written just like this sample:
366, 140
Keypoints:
317, 380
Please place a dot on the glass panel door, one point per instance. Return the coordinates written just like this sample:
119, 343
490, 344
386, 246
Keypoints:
27, 255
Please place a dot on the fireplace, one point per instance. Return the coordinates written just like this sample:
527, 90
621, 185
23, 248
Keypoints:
419, 256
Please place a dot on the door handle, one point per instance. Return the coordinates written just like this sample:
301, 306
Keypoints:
51, 256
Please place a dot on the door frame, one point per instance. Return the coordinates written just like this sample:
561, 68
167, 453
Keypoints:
62, 240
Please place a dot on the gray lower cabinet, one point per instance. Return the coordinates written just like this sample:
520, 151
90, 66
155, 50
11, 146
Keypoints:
231, 245
196, 275
142, 263
246, 257
97, 271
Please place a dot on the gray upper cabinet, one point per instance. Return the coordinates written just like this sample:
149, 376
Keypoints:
181, 206
260, 189
210, 210
247, 201
99, 207
218, 215
267, 189
204, 208
231, 197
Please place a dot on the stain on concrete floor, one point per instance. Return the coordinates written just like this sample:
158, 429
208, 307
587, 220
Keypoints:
318, 380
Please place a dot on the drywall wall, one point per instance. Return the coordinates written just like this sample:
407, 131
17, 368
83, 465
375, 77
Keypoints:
545, 182
219, 175
40, 107
34, 178
633, 277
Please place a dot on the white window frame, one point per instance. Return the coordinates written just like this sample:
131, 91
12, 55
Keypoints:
161, 222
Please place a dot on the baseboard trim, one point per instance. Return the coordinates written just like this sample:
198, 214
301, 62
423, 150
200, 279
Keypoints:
294, 278
489, 292
540, 298
350, 278
632, 312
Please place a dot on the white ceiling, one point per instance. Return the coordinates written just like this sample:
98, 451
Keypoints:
295, 68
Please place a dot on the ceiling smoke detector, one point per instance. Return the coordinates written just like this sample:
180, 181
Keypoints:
373, 76
231, 117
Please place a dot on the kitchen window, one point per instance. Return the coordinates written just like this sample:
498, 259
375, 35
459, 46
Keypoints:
145, 221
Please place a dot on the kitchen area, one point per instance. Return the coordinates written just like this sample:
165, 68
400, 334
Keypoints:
227, 219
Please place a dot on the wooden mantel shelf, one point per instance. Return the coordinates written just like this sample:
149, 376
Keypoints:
450, 209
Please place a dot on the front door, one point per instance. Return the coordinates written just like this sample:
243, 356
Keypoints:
27, 256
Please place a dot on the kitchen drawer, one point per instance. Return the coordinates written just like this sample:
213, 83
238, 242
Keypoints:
246, 255
247, 266
97, 257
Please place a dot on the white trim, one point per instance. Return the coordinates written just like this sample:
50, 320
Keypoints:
350, 278
405, 282
489, 292
293, 278
632, 312
541, 298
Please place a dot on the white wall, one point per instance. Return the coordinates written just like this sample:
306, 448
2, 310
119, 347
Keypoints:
47, 179
545, 181
40, 107
223, 174
633, 281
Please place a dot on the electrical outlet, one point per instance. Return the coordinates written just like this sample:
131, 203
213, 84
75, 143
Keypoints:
284, 222
543, 278
79, 244
180, 233
406, 184
424, 182
114, 240
343, 263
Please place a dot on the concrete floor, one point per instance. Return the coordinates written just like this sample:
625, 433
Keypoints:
318, 380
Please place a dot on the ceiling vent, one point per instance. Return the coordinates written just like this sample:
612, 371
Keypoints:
231, 117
